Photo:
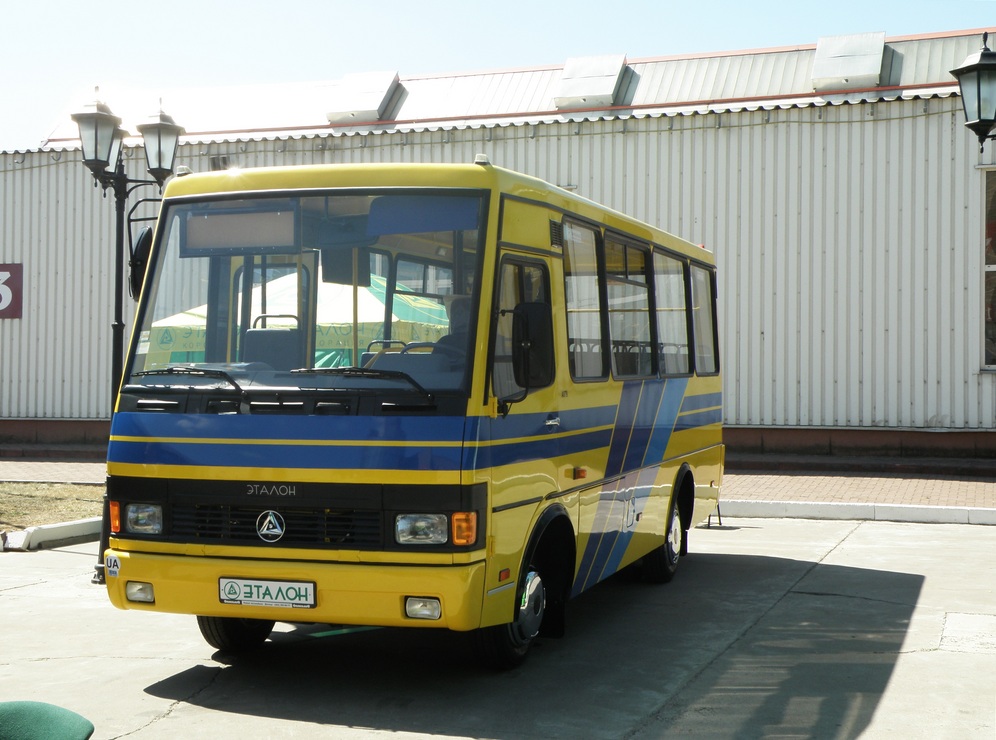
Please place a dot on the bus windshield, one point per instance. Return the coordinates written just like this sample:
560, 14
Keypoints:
323, 290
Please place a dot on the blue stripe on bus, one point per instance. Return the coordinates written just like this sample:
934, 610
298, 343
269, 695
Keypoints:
704, 401
281, 428
647, 427
641, 495
289, 457
525, 426
282, 441
644, 424
359, 428
674, 391
604, 527
536, 448
611, 534
698, 419
625, 417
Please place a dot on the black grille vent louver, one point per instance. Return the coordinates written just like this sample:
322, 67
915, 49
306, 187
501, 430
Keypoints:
557, 234
220, 523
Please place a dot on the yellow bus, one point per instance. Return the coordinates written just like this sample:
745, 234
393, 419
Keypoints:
437, 396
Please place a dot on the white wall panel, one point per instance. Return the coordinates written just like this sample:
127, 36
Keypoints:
55, 361
848, 239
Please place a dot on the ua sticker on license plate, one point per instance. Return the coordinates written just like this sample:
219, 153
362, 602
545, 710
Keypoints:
252, 592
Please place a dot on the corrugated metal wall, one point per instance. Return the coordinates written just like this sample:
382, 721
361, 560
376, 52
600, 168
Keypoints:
848, 238
55, 361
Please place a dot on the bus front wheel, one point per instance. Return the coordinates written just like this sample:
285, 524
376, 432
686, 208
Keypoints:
233, 635
506, 646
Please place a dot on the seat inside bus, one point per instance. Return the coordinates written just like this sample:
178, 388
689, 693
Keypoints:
281, 348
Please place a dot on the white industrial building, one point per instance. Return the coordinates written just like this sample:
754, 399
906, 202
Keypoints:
846, 202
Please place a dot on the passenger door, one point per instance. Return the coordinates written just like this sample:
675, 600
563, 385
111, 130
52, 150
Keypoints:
525, 440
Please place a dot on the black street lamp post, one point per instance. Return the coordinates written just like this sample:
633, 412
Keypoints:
101, 137
977, 81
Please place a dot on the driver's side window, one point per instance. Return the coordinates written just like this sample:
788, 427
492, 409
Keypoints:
519, 282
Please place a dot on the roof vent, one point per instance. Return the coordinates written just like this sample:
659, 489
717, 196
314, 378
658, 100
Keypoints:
590, 82
361, 97
848, 62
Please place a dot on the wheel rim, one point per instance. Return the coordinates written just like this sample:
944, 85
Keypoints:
674, 537
529, 616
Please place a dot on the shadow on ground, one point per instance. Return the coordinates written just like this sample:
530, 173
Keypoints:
735, 646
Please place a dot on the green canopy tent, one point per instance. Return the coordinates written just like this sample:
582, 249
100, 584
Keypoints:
348, 320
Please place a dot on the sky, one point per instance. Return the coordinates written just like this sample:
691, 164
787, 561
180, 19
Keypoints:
54, 54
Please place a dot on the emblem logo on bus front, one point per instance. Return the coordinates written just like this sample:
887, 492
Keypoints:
270, 526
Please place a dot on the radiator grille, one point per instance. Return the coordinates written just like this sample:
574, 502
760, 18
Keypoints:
313, 527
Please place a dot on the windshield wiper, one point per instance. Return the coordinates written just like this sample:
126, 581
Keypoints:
205, 372
366, 372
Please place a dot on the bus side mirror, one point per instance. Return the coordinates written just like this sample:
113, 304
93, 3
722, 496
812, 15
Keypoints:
532, 345
139, 260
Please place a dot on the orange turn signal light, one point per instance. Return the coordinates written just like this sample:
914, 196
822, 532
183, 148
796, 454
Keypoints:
464, 527
115, 515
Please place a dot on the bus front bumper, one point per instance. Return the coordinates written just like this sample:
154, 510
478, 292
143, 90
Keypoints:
286, 591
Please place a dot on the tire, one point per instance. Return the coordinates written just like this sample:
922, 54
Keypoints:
506, 646
660, 565
232, 635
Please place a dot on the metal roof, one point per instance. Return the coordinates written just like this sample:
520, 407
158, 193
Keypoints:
915, 66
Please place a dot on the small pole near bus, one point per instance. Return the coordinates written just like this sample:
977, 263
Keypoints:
101, 139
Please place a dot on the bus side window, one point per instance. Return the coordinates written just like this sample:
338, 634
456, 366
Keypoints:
629, 309
585, 344
672, 315
704, 322
520, 282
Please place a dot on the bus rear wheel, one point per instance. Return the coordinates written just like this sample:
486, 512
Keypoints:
233, 635
660, 565
506, 646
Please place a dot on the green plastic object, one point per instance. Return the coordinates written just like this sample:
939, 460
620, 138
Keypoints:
36, 720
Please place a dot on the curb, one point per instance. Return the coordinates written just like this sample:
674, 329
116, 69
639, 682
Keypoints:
54, 535
863, 512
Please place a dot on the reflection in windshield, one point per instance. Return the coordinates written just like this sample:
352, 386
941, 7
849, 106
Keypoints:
258, 287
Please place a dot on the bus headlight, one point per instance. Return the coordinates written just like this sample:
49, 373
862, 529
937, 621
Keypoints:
421, 529
143, 519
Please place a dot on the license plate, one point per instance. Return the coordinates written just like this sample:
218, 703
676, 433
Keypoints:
253, 592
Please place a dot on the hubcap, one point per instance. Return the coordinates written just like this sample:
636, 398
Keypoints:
674, 538
531, 608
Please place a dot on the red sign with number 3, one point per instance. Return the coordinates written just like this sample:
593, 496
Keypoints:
11, 291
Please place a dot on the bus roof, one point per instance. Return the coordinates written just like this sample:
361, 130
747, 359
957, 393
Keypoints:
481, 175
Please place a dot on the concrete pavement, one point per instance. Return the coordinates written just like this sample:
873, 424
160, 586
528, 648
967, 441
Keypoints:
772, 628
776, 626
